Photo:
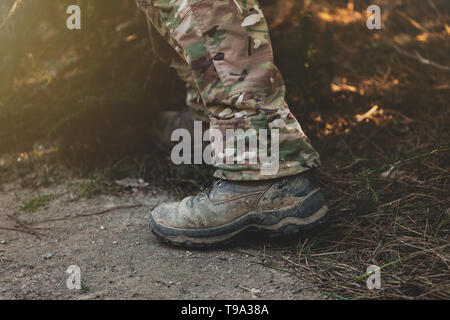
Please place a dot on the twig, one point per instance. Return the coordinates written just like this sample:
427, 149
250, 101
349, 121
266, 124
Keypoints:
11, 12
412, 21
400, 162
23, 224
418, 57
14, 229
91, 214
350, 165
326, 253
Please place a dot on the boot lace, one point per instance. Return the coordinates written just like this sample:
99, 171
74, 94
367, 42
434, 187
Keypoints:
205, 190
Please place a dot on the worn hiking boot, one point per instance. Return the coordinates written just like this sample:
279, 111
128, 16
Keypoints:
220, 213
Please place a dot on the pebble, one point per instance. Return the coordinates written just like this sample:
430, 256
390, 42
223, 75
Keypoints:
3, 242
47, 256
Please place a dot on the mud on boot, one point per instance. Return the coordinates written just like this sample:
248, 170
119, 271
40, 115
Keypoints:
220, 213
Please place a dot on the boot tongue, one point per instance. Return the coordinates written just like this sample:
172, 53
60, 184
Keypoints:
224, 190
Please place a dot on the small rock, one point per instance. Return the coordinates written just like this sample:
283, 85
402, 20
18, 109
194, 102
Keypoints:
47, 256
115, 242
255, 291
184, 291
102, 227
3, 242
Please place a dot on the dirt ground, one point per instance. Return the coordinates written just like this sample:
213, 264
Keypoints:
119, 257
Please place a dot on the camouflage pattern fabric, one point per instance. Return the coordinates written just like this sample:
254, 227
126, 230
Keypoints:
224, 54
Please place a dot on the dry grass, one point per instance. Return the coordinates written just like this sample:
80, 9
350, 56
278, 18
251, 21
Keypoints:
383, 136
399, 224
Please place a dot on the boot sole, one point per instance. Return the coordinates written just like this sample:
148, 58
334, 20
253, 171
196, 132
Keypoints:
306, 214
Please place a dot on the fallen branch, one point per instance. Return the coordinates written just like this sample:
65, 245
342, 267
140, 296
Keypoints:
24, 225
91, 214
20, 230
418, 57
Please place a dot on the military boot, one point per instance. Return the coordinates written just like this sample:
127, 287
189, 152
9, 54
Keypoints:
220, 213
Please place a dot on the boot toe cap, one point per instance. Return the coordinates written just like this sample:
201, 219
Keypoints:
164, 213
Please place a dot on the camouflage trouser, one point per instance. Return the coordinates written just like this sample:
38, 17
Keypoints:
224, 54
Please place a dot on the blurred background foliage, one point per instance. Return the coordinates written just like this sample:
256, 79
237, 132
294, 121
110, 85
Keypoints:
80, 88
97, 89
